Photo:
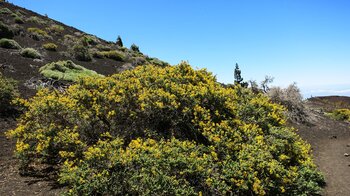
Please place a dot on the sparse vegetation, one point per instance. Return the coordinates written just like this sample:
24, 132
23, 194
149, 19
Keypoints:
37, 20
38, 34
66, 70
5, 31
19, 20
50, 46
157, 62
341, 114
70, 40
5, 11
113, 54
81, 52
9, 43
56, 29
30, 53
89, 40
102, 47
164, 131
8, 92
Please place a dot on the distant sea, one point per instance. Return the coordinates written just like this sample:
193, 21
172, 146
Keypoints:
325, 90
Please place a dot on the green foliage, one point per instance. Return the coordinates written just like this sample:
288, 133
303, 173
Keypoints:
5, 11
50, 46
66, 70
119, 41
37, 20
70, 40
157, 62
237, 75
113, 54
134, 48
145, 167
19, 20
38, 34
197, 137
341, 114
30, 53
6, 31
56, 29
8, 92
9, 43
81, 52
89, 40
102, 47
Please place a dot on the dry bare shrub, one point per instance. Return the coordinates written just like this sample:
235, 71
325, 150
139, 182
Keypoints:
290, 98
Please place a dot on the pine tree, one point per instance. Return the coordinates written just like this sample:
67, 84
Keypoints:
119, 41
134, 48
237, 75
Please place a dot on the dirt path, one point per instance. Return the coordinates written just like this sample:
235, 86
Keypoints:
330, 140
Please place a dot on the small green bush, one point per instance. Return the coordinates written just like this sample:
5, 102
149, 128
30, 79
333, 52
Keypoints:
30, 53
157, 62
81, 52
38, 34
66, 70
37, 20
5, 11
56, 29
113, 54
102, 47
70, 40
341, 114
6, 31
8, 92
50, 46
9, 43
96, 54
19, 20
89, 40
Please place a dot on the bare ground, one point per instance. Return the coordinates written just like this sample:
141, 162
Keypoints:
330, 140
11, 182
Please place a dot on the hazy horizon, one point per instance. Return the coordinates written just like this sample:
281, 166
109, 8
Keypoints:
307, 42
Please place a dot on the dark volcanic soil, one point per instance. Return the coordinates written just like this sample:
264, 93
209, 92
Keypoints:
329, 140
11, 182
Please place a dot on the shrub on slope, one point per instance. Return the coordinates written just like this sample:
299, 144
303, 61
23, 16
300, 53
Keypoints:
9, 44
341, 114
165, 131
30, 53
5, 31
66, 70
8, 92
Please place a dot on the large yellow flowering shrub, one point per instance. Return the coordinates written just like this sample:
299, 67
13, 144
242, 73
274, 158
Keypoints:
165, 131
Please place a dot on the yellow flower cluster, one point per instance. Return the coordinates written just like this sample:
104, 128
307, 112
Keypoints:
165, 131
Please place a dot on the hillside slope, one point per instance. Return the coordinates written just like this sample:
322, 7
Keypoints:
56, 41
329, 138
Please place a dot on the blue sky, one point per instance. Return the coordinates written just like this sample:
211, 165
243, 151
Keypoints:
303, 41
